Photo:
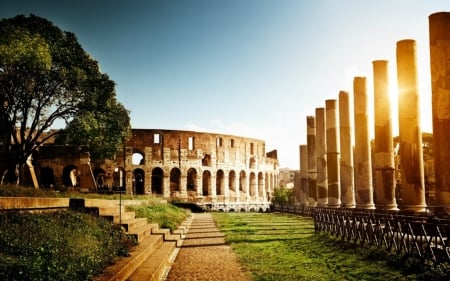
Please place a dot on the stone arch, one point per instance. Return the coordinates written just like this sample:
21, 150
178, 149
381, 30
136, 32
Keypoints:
138, 157
220, 180
232, 181
206, 183
191, 180
268, 186
99, 176
206, 161
175, 180
242, 181
253, 184
70, 176
47, 177
252, 163
157, 180
266, 183
138, 181
260, 184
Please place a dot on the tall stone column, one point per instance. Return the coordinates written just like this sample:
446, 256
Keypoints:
345, 134
333, 151
439, 26
321, 155
312, 164
384, 143
304, 179
411, 153
363, 158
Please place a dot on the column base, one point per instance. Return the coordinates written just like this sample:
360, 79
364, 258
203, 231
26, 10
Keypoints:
365, 206
387, 207
414, 208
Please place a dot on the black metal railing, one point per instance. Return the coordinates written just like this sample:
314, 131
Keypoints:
417, 236
422, 236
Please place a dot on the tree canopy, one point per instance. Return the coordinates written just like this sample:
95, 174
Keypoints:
46, 76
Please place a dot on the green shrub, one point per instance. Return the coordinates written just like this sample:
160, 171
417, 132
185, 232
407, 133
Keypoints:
57, 246
283, 195
164, 214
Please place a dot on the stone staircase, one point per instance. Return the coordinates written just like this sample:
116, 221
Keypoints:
156, 250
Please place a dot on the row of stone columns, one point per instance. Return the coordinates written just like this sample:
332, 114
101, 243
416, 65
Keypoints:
336, 174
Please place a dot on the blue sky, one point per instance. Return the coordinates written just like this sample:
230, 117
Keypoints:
253, 68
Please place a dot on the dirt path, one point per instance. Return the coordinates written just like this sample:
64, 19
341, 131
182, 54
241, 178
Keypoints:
205, 256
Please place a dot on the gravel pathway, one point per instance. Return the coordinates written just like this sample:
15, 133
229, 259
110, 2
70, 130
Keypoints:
205, 255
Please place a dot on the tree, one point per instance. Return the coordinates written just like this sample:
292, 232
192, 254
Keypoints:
46, 76
103, 129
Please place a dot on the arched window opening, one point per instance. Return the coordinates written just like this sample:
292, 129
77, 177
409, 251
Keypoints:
191, 179
206, 161
252, 184
157, 181
260, 185
48, 177
232, 181
242, 181
206, 183
138, 181
175, 177
137, 158
71, 176
220, 178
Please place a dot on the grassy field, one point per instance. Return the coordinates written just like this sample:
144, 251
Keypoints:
284, 247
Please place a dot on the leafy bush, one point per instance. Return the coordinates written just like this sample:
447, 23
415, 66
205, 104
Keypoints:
164, 214
283, 195
57, 246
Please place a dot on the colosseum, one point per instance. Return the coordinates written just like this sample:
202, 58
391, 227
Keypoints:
214, 171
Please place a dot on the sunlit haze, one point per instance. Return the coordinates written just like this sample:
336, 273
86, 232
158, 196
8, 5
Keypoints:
252, 68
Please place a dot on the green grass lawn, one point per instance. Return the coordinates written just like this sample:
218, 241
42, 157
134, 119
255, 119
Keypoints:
284, 247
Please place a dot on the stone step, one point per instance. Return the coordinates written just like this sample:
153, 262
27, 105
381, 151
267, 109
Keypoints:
105, 210
153, 268
91, 202
165, 232
131, 224
125, 266
174, 238
141, 232
116, 217
180, 232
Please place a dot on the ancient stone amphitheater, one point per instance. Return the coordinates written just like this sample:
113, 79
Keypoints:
214, 171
